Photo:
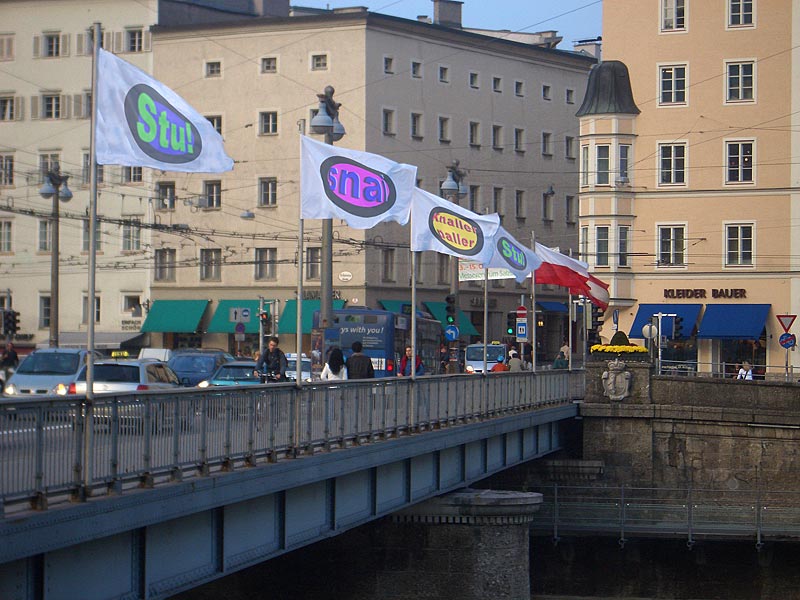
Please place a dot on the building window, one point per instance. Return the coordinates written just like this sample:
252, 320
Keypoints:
131, 235
313, 262
98, 242
319, 62
673, 15
416, 69
387, 272
216, 123
740, 162
165, 195
45, 235
584, 165
739, 245
132, 174
266, 263
740, 82
416, 126
601, 246
474, 197
672, 164
212, 194
583, 243
6, 169
474, 134
210, 264
44, 312
519, 88
444, 74
473, 81
497, 201
269, 64
388, 65
497, 84
547, 143
267, 191
268, 123
673, 84
442, 268
6, 47
134, 40
672, 246
740, 13
388, 122
622, 245
570, 210
519, 140
519, 204
51, 45
5, 237
132, 305
85, 309
8, 108
603, 166
569, 147
165, 264
547, 92
47, 162
51, 106
497, 137
624, 158
444, 129
547, 206
569, 96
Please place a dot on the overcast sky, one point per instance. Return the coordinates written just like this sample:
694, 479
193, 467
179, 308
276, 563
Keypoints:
573, 19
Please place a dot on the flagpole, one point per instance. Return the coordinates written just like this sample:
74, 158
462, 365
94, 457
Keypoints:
533, 307
91, 300
569, 331
485, 316
413, 396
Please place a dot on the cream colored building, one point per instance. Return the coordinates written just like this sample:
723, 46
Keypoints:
690, 206
417, 92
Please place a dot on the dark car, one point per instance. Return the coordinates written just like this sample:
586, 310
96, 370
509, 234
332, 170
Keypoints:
194, 366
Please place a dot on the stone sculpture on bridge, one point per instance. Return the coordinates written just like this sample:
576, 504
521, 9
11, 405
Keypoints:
617, 380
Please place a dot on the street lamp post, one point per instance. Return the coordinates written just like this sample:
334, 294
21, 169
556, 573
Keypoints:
453, 189
55, 187
326, 122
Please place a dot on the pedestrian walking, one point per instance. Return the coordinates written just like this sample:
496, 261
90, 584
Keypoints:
334, 369
359, 365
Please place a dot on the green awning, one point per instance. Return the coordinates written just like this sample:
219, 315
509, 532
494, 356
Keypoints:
288, 321
174, 316
221, 321
397, 306
439, 312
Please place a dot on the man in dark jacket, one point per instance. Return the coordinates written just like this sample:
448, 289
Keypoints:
272, 361
359, 366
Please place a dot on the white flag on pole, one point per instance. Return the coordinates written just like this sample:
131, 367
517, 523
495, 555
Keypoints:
444, 227
143, 123
510, 254
361, 188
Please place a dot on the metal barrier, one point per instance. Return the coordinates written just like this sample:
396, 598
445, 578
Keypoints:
56, 448
722, 370
671, 512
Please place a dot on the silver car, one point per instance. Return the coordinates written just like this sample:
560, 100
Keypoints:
121, 376
45, 371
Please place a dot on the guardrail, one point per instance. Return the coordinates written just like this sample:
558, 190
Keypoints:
722, 370
668, 512
64, 448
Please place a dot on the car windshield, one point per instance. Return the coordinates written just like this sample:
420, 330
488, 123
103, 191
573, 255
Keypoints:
50, 363
115, 373
492, 352
291, 364
192, 363
227, 373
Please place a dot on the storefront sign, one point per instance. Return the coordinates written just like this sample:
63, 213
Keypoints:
131, 324
701, 293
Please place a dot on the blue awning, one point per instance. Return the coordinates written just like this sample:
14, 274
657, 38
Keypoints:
734, 321
557, 307
689, 312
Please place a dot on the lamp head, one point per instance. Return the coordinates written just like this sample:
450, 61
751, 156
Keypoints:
322, 122
47, 190
338, 128
450, 185
64, 193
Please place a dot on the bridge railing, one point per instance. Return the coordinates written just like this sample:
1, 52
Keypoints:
58, 448
692, 513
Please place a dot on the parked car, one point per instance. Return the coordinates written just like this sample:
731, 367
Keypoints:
120, 376
291, 367
237, 372
195, 365
44, 370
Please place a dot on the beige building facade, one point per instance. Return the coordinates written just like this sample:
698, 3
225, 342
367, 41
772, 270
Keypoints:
417, 92
688, 194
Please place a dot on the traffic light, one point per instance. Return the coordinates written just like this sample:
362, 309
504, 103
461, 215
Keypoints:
9, 324
677, 326
597, 317
511, 322
264, 318
450, 309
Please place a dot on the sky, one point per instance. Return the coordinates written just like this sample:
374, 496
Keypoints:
573, 19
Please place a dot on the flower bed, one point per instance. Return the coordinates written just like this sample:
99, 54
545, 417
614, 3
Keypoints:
609, 352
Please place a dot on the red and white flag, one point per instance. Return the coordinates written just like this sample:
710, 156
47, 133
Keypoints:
563, 270
597, 292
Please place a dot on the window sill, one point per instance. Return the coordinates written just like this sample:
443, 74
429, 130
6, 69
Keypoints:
442, 141
739, 183
211, 208
270, 134
267, 206
519, 151
476, 146
497, 148
389, 134
547, 154
418, 138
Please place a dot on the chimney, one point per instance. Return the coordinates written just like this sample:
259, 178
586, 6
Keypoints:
447, 13
272, 8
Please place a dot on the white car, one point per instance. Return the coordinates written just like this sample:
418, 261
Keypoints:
121, 376
291, 367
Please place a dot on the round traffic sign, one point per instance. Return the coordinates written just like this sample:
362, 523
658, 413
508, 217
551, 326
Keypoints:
522, 312
787, 340
451, 333
239, 328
